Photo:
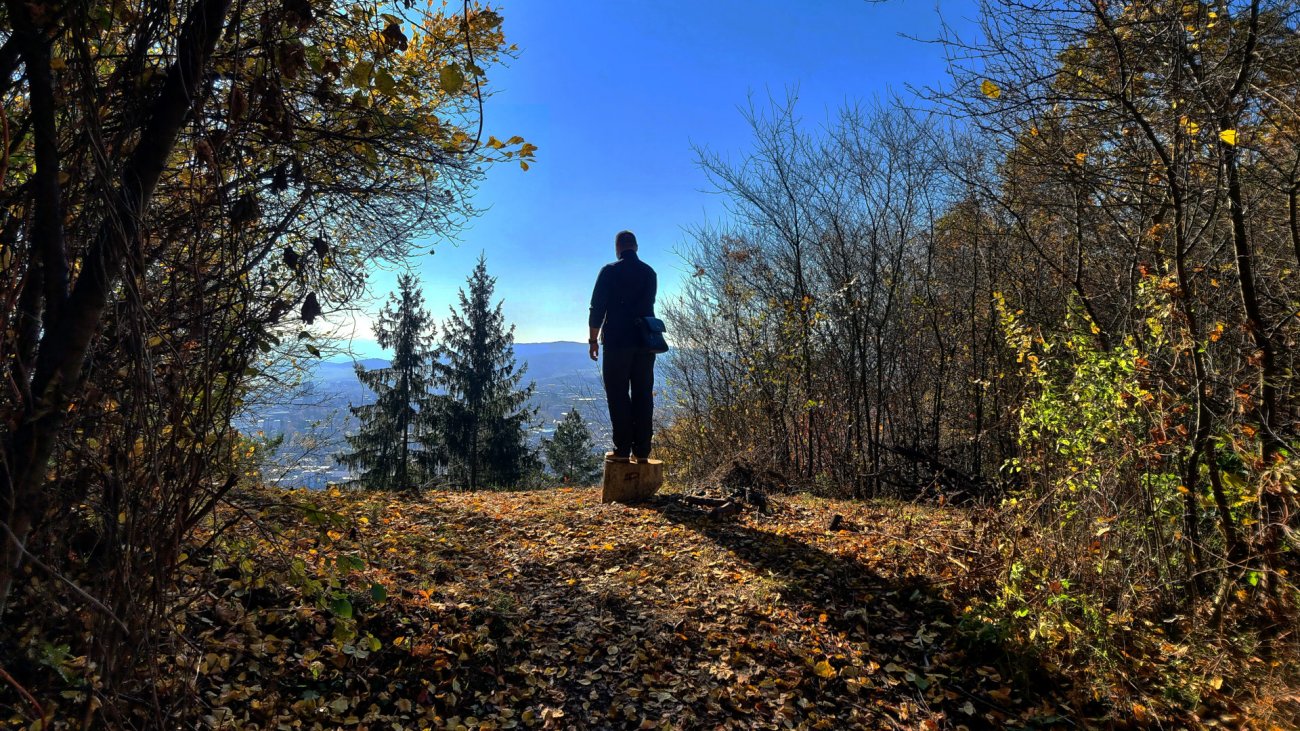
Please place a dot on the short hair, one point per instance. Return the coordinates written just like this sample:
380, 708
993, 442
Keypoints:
625, 240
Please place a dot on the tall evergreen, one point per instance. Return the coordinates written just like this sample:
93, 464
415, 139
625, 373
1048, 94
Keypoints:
571, 453
483, 416
393, 449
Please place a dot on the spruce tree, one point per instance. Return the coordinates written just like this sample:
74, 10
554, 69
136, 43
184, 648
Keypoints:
483, 415
570, 453
393, 449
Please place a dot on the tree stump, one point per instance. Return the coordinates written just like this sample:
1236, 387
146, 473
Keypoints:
630, 482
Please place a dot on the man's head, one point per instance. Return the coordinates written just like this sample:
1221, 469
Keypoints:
624, 241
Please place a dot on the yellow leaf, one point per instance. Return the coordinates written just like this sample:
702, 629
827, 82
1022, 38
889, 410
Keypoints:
1081, 157
1216, 682
1229, 136
990, 89
823, 669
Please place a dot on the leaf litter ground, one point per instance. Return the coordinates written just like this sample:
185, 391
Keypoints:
548, 609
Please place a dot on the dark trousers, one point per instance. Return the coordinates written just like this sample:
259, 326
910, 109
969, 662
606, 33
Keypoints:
629, 387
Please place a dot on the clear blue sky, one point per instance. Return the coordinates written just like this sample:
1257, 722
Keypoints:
614, 93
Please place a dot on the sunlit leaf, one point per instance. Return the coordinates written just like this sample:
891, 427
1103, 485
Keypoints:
451, 79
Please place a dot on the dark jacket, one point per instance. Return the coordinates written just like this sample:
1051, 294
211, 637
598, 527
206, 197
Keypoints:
625, 290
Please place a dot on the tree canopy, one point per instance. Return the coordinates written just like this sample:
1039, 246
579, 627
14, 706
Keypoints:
483, 413
571, 453
396, 447
189, 187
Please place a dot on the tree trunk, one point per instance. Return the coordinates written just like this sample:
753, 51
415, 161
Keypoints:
67, 334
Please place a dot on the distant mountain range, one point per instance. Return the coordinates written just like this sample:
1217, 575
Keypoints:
563, 372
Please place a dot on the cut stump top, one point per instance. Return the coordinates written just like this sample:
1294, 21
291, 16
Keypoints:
630, 482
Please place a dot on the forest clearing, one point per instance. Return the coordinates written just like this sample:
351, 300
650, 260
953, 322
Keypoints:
547, 609
998, 306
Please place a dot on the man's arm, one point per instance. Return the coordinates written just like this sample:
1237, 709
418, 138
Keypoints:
599, 307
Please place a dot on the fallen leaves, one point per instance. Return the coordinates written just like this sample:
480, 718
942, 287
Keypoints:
823, 669
548, 609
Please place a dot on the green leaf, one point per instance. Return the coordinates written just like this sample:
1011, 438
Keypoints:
451, 79
360, 75
385, 83
348, 562
341, 607
378, 592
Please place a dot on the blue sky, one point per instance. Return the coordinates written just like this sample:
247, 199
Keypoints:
614, 93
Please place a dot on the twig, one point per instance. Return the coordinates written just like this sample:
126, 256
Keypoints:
40, 712
71, 584
705, 502
4, 153
478, 92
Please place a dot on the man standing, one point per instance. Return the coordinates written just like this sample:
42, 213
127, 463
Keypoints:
625, 291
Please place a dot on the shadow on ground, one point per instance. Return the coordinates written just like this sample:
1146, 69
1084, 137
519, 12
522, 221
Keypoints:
917, 638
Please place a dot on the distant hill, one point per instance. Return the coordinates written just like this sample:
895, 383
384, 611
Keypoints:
545, 361
565, 376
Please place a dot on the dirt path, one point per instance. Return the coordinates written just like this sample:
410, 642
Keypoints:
548, 609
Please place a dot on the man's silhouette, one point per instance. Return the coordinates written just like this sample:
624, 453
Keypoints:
625, 291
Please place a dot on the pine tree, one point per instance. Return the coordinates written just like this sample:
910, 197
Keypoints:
393, 449
571, 453
483, 416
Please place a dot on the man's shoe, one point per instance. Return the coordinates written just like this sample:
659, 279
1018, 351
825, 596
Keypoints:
615, 457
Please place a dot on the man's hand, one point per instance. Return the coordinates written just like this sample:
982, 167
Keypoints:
593, 349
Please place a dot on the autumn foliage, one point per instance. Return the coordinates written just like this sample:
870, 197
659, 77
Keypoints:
1063, 284
1029, 338
190, 188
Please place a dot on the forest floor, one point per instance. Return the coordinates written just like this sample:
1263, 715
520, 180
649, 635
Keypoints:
548, 609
